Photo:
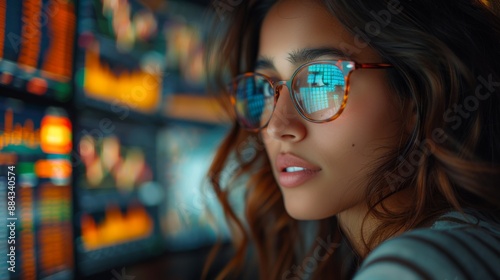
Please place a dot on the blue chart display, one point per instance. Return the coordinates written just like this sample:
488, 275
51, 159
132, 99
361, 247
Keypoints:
118, 194
35, 146
191, 217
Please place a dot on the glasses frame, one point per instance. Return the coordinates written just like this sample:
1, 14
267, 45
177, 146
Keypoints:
277, 86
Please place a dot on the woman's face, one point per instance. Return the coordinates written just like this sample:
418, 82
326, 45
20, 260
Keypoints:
332, 159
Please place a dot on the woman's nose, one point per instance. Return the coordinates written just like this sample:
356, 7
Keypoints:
286, 124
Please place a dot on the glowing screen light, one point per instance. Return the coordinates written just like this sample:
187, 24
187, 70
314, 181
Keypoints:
56, 135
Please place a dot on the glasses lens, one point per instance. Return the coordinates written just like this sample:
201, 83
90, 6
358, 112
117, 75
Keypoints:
254, 101
319, 89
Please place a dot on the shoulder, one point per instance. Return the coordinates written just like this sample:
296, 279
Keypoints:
453, 248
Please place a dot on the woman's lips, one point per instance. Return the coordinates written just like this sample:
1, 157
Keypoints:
294, 171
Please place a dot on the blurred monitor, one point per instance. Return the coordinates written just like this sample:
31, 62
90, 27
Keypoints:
192, 217
134, 52
35, 186
117, 192
120, 57
36, 46
186, 35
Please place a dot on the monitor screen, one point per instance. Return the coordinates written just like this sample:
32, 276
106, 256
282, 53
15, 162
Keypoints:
120, 57
134, 53
192, 217
36, 46
117, 191
35, 186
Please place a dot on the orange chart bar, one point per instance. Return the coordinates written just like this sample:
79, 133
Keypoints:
138, 89
27, 236
31, 34
116, 228
62, 26
18, 134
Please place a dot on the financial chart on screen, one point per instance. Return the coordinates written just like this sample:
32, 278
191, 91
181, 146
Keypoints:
35, 147
36, 46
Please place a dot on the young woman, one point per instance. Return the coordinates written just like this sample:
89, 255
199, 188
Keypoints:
378, 121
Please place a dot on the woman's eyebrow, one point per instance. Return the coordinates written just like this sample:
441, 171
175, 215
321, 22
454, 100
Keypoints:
301, 56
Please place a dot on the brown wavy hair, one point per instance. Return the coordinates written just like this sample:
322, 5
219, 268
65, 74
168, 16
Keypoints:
446, 76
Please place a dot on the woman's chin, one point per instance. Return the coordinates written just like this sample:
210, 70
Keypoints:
307, 212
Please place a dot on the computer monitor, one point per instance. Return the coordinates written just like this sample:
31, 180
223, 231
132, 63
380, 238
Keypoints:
192, 217
36, 191
117, 190
120, 58
36, 47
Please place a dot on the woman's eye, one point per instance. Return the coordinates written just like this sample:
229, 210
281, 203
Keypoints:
268, 89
